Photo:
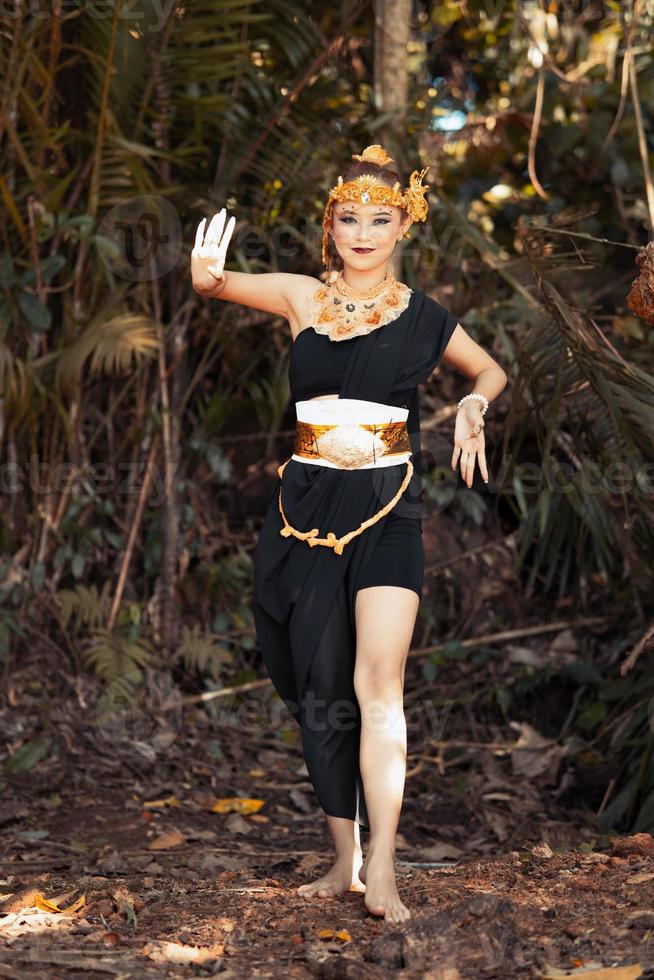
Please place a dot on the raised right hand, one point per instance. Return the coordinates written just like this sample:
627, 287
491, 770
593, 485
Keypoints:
208, 255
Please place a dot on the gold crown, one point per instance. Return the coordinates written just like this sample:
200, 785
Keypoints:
368, 189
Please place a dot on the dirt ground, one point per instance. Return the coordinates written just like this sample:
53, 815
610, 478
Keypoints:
172, 842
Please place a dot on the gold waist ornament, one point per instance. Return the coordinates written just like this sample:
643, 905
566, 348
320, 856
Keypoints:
348, 447
351, 446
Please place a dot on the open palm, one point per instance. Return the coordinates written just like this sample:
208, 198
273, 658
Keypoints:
469, 444
209, 251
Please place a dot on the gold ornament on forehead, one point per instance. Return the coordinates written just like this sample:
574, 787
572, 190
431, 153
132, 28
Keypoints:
369, 189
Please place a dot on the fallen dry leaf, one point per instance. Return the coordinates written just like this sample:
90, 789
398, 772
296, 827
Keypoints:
160, 804
47, 906
238, 804
171, 838
24, 898
31, 898
533, 754
631, 972
639, 878
439, 852
236, 824
342, 934
178, 953
122, 895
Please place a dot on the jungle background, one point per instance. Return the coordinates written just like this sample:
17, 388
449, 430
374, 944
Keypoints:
150, 783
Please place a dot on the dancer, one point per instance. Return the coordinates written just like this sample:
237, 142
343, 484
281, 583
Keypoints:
339, 561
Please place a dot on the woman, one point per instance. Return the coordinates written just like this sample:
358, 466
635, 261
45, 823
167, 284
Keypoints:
339, 562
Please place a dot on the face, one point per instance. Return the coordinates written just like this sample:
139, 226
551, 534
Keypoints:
377, 227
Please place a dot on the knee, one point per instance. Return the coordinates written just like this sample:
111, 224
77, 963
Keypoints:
377, 679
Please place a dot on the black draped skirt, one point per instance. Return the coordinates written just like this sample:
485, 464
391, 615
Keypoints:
304, 598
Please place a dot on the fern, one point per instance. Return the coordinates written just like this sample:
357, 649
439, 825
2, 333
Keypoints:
113, 657
85, 606
203, 654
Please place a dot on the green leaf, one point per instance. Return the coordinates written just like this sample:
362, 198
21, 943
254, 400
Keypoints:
592, 715
28, 755
83, 222
504, 697
7, 271
454, 650
6, 312
33, 834
583, 673
4, 641
49, 269
543, 509
107, 249
36, 314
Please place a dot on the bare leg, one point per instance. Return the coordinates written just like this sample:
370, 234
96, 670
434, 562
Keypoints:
343, 875
385, 618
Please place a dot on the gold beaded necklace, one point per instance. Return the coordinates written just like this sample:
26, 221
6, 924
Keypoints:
341, 311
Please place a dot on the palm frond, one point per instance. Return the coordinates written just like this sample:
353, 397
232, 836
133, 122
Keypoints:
592, 416
113, 346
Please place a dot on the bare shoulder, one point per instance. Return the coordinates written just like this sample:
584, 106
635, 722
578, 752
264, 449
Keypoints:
299, 291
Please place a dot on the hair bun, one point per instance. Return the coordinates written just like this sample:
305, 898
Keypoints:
374, 154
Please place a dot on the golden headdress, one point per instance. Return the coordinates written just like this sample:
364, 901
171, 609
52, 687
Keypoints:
368, 189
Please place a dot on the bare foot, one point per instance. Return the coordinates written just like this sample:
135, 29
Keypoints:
382, 898
341, 877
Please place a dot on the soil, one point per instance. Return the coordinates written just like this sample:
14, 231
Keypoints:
150, 875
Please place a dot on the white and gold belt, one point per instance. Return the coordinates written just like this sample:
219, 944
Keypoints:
351, 434
348, 434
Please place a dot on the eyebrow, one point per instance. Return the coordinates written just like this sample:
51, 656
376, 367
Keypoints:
350, 211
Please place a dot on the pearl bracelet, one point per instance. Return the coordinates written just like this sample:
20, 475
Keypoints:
474, 394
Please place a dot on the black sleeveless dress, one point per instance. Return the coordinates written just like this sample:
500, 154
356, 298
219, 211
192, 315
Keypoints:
317, 366
303, 597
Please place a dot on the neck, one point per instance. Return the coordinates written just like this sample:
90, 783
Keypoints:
365, 279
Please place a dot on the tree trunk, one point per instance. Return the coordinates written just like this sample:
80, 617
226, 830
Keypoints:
391, 85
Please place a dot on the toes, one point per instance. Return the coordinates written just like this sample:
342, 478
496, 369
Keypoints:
329, 888
398, 915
